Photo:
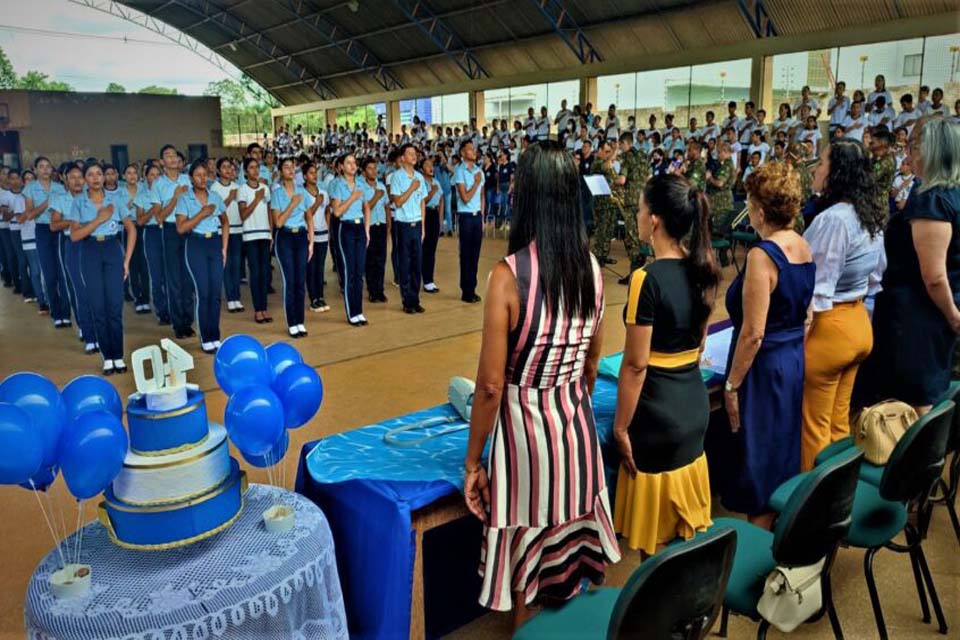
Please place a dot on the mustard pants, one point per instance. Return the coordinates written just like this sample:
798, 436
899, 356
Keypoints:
839, 340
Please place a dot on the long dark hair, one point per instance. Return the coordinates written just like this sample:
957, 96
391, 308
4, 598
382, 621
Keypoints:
547, 210
685, 213
851, 180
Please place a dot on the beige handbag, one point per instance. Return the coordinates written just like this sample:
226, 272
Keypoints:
878, 429
791, 596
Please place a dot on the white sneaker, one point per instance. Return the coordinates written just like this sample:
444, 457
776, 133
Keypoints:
90, 348
355, 320
28, 300
206, 346
119, 365
294, 331
108, 367
231, 305
216, 344
58, 323
301, 328
362, 318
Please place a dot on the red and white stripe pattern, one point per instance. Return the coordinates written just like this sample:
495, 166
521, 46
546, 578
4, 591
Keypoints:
549, 525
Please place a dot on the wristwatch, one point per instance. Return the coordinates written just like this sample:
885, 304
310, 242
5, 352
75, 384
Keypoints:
728, 387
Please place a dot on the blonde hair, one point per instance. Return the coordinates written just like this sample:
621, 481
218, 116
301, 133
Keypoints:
775, 186
940, 152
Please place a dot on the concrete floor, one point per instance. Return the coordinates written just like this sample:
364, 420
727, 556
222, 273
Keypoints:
402, 363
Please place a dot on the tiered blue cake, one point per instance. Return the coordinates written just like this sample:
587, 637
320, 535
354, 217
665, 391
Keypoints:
179, 484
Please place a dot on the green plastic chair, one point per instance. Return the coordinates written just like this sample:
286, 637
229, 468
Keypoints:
880, 513
677, 593
810, 529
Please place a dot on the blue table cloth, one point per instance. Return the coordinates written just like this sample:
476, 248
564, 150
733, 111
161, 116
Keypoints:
369, 489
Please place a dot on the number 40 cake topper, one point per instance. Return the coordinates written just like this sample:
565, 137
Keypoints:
165, 376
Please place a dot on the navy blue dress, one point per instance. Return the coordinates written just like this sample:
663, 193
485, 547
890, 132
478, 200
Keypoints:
913, 343
771, 395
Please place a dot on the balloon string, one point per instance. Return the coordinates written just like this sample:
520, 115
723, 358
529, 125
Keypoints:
56, 541
80, 529
61, 531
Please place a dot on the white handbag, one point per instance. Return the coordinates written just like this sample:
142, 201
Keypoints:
791, 596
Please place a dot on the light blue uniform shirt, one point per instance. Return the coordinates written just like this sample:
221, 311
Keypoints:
121, 199
189, 206
265, 173
378, 212
279, 200
63, 204
146, 198
433, 202
84, 210
399, 183
340, 190
467, 178
35, 192
164, 188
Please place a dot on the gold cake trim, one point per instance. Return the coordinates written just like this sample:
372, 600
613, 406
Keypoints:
216, 491
175, 463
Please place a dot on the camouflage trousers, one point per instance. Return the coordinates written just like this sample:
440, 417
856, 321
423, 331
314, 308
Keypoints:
604, 225
631, 239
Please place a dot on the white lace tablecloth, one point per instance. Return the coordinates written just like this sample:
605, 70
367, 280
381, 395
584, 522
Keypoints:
242, 583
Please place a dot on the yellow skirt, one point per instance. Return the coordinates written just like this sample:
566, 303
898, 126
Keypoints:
655, 508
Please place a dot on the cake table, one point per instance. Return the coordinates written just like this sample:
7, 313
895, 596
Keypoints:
241, 583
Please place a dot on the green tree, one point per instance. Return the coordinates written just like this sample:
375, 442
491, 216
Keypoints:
37, 81
113, 87
8, 77
158, 91
232, 94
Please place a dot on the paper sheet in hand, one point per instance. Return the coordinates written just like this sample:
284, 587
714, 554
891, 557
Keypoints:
598, 185
715, 351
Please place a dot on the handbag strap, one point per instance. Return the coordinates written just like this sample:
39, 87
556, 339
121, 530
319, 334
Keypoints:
391, 437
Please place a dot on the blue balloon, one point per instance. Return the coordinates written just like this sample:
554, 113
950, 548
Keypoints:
254, 419
21, 445
42, 479
85, 393
41, 400
92, 452
300, 391
273, 456
241, 361
281, 355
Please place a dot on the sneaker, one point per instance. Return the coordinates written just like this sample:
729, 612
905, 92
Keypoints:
355, 321
58, 323
302, 329
189, 332
230, 306
108, 368
431, 288
315, 306
28, 300
207, 347
90, 348
294, 331
363, 319
324, 307
239, 306
419, 309
43, 310
120, 366
408, 310
216, 344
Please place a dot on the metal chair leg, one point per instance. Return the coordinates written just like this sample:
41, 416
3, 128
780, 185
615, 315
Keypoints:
724, 616
872, 588
952, 510
831, 609
762, 630
928, 578
915, 563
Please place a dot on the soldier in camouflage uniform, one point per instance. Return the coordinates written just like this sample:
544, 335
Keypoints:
634, 171
720, 186
884, 166
605, 208
694, 168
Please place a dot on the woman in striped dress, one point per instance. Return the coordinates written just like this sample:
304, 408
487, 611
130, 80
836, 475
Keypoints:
542, 497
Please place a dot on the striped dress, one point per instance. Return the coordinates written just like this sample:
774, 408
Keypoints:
549, 525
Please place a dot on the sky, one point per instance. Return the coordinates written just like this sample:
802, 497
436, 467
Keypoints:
84, 47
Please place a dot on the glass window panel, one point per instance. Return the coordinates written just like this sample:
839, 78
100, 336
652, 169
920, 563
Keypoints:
568, 90
861, 63
366, 113
455, 109
496, 104
619, 89
714, 85
523, 98
941, 67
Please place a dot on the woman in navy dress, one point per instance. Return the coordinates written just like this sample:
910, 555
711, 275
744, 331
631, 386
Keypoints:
769, 305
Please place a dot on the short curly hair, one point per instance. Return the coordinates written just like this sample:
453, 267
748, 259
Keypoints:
775, 186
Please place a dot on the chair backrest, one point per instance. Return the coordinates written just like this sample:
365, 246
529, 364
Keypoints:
817, 516
679, 591
953, 395
918, 458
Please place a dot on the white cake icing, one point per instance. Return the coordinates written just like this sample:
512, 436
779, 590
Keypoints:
166, 399
171, 478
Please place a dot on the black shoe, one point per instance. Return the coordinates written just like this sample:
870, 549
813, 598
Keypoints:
471, 299
355, 324
373, 299
127, 297
189, 332
164, 322
624, 280
270, 289
409, 310
609, 261
17, 290
419, 309
179, 335
120, 369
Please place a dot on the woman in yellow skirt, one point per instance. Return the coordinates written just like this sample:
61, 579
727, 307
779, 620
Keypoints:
663, 491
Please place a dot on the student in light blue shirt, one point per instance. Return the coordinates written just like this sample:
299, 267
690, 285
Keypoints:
408, 194
128, 192
97, 221
202, 220
289, 206
169, 188
375, 199
38, 195
147, 204
432, 223
353, 236
468, 182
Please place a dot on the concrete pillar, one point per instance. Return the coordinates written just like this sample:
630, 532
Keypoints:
330, 117
393, 117
588, 92
761, 84
277, 125
478, 108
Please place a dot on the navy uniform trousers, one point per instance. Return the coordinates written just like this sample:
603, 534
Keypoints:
48, 250
64, 241
471, 237
231, 271
9, 268
101, 263
203, 254
376, 260
139, 280
291, 251
179, 285
78, 295
352, 239
21, 265
431, 237
153, 254
409, 260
